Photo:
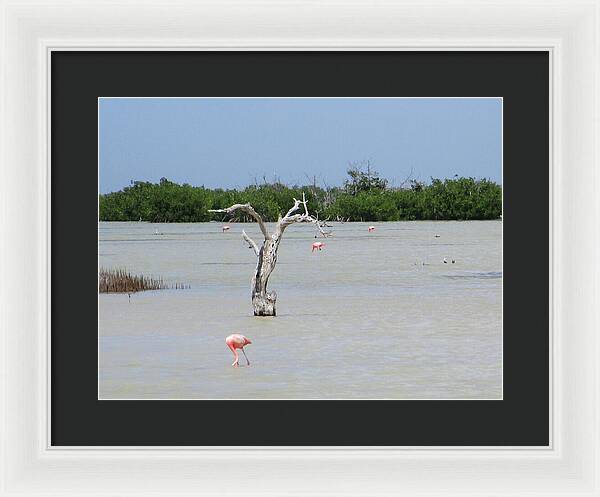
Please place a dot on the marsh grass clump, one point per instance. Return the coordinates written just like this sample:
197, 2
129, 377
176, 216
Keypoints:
122, 281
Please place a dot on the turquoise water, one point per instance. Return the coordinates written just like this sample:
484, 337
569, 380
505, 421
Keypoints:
372, 316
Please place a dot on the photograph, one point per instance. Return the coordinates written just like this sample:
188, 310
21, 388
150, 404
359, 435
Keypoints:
300, 248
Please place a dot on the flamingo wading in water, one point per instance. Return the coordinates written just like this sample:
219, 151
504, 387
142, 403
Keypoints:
317, 246
235, 342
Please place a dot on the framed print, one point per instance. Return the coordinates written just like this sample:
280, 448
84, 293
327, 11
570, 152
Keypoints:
241, 237
402, 340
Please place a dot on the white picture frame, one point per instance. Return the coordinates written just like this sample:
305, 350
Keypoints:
569, 30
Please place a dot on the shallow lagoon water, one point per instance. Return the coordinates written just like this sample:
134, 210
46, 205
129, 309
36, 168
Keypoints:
372, 316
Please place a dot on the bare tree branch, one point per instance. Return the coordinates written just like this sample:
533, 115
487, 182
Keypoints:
304, 202
406, 181
248, 209
320, 226
293, 209
291, 218
251, 242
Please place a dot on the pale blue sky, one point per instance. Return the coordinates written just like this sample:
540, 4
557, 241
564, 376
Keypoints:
231, 142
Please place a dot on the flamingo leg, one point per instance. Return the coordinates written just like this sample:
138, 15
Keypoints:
246, 357
235, 354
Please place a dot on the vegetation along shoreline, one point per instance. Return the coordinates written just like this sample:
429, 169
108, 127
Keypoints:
364, 196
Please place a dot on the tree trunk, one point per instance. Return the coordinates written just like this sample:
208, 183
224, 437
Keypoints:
264, 301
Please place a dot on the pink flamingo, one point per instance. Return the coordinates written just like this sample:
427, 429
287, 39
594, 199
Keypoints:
371, 228
317, 246
226, 228
235, 342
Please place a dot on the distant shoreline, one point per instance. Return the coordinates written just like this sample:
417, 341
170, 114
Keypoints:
365, 197
499, 219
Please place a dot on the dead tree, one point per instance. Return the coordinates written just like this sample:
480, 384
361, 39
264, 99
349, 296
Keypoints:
263, 301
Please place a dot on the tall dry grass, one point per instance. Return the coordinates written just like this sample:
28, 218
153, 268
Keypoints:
122, 281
